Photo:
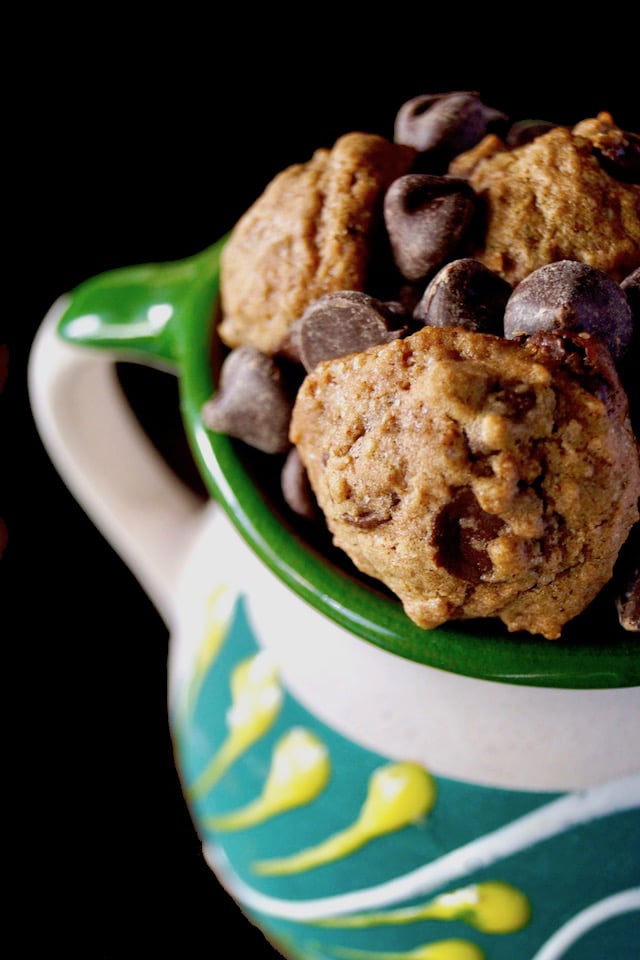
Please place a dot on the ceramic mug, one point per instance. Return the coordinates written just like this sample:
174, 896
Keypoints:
363, 788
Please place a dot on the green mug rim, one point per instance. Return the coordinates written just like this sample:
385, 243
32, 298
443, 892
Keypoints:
479, 649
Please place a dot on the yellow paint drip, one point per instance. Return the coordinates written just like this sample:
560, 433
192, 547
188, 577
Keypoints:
256, 698
440, 950
215, 629
399, 794
492, 907
300, 770
213, 633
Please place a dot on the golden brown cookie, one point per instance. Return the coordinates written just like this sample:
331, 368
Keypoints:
475, 476
551, 199
311, 232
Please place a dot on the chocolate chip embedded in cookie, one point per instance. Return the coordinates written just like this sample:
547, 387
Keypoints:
567, 295
552, 199
473, 475
311, 232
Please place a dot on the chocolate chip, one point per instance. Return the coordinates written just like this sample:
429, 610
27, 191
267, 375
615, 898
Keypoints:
462, 530
441, 125
253, 402
340, 323
580, 355
524, 131
295, 486
621, 158
465, 293
426, 218
568, 295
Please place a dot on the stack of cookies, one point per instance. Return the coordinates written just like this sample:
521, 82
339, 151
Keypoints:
434, 339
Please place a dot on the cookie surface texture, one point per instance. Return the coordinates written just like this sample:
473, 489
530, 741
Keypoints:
311, 232
552, 200
474, 476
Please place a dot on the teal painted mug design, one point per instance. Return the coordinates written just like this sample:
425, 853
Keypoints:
363, 789
405, 863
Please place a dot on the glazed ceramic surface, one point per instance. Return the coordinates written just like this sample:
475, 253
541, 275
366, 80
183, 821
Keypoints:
363, 788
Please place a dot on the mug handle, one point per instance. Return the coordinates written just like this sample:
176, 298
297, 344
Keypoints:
91, 434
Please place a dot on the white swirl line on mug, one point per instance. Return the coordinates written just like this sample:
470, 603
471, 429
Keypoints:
593, 915
552, 819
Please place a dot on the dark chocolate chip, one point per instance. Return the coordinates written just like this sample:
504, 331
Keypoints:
462, 530
340, 323
524, 131
568, 295
580, 355
465, 293
253, 402
441, 125
627, 582
426, 218
621, 159
295, 486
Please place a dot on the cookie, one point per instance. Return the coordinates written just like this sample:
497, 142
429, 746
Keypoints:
473, 475
553, 199
311, 232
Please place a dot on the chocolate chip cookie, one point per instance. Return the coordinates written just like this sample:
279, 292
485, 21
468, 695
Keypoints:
554, 198
311, 232
475, 476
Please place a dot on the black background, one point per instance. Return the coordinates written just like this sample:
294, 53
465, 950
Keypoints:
136, 146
